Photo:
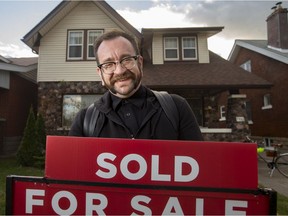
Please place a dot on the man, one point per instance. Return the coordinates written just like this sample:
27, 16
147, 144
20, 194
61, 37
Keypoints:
128, 109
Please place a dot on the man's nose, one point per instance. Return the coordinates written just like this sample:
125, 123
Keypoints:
119, 69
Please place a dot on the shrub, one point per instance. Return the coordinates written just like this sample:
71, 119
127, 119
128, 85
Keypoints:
33, 143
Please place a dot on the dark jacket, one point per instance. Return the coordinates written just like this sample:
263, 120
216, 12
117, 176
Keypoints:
155, 125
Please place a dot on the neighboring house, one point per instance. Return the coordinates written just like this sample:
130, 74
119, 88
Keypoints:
176, 60
267, 59
18, 92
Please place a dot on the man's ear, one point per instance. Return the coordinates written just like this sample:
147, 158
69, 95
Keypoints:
140, 62
100, 74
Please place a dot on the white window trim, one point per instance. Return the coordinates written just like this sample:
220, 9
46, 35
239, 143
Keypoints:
247, 66
177, 49
95, 30
195, 48
267, 102
68, 47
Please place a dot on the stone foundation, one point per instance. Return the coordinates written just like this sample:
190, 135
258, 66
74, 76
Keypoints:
50, 99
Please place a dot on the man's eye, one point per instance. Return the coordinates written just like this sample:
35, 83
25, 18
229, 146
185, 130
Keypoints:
108, 65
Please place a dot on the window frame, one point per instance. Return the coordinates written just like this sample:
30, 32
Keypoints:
69, 45
190, 48
75, 106
247, 66
92, 44
267, 101
84, 45
176, 48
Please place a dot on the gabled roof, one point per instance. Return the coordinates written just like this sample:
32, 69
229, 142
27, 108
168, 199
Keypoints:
3, 59
21, 65
219, 75
209, 31
259, 46
32, 38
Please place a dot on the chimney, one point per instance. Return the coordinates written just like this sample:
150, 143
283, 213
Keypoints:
277, 28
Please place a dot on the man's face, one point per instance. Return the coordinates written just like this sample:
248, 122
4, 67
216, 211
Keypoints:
123, 82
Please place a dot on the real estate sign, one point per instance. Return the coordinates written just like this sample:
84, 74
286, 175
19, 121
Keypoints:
119, 176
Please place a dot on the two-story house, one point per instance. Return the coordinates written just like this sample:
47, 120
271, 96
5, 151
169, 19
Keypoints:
267, 59
18, 92
176, 60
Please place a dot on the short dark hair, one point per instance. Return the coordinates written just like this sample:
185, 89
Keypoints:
112, 35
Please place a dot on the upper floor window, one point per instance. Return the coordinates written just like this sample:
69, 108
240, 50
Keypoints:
246, 66
80, 44
267, 101
184, 48
171, 49
75, 45
189, 49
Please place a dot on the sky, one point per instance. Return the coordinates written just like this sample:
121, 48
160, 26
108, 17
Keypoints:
244, 19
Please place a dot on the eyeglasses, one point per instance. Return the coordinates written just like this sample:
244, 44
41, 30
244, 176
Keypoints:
127, 62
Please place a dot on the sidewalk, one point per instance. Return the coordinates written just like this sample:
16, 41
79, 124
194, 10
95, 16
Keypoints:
277, 182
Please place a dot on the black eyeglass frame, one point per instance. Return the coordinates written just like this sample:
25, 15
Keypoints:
115, 63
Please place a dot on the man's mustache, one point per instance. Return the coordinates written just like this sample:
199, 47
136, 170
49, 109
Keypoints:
126, 75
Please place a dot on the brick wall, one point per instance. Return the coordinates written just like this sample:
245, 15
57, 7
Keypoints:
270, 122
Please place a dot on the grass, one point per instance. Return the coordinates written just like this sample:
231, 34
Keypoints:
9, 166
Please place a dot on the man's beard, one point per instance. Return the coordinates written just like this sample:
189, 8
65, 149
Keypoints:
126, 75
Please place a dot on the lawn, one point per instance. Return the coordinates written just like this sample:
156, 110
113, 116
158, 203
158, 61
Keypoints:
8, 166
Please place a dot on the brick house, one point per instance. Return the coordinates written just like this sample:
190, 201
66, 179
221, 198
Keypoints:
176, 60
18, 91
267, 59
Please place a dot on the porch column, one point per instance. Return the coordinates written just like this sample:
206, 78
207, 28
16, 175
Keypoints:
236, 117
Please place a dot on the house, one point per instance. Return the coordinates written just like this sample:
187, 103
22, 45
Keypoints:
267, 59
18, 92
176, 60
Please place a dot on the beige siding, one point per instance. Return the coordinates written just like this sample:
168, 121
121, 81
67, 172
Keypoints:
157, 49
203, 52
52, 53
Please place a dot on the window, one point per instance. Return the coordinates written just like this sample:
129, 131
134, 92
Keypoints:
80, 44
72, 104
189, 48
92, 35
246, 66
180, 48
75, 45
171, 48
267, 102
222, 113
249, 112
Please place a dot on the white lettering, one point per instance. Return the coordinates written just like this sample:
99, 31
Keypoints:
136, 205
72, 199
199, 206
99, 209
30, 202
155, 176
173, 207
112, 170
230, 204
179, 161
142, 166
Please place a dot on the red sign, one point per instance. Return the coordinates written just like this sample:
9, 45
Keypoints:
152, 162
37, 196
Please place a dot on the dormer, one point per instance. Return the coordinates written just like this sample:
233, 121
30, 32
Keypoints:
167, 45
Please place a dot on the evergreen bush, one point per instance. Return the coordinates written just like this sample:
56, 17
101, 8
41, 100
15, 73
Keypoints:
33, 144
28, 146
